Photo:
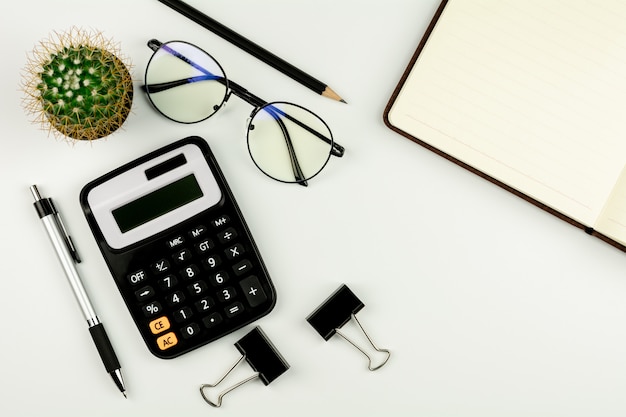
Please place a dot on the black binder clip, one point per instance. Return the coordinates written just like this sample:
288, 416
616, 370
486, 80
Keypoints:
335, 312
262, 356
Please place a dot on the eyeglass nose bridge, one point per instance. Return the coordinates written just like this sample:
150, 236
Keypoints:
245, 95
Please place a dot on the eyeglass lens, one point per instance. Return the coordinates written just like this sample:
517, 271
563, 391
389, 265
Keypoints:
286, 142
185, 83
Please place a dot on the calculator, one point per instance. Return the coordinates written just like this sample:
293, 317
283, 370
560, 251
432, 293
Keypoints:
178, 247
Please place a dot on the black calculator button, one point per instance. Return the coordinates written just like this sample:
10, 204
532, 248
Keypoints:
137, 277
234, 309
175, 242
175, 298
204, 304
242, 267
227, 235
183, 314
182, 256
212, 320
219, 278
190, 330
212, 262
168, 282
220, 221
152, 309
234, 252
251, 288
161, 266
144, 293
226, 294
197, 232
204, 246
197, 288
190, 272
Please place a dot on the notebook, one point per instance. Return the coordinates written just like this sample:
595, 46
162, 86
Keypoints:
530, 94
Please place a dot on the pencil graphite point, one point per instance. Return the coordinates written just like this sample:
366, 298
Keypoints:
329, 93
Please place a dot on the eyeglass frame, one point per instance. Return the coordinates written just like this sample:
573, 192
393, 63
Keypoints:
233, 88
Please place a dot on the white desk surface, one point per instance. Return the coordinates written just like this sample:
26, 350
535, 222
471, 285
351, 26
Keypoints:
490, 306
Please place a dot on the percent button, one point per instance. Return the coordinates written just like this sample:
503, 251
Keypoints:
151, 309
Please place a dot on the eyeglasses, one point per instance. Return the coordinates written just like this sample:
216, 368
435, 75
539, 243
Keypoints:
286, 141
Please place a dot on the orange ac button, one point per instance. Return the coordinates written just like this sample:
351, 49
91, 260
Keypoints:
159, 325
167, 341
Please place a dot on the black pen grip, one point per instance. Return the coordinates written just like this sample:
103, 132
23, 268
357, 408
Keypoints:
105, 349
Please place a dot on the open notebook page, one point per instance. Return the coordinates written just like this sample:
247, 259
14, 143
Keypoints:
530, 92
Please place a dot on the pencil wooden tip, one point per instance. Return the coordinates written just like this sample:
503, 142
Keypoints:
329, 93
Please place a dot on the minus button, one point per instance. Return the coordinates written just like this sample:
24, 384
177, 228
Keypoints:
242, 267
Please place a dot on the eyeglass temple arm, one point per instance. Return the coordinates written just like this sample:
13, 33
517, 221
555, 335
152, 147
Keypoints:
258, 102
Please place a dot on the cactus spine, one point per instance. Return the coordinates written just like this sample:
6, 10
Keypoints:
77, 86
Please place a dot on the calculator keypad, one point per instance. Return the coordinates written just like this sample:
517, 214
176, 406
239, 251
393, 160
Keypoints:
201, 281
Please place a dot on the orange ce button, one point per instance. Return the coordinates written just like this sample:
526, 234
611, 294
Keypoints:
159, 325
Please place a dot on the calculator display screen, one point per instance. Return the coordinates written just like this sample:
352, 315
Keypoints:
157, 203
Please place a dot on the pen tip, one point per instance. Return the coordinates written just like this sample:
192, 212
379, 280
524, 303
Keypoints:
124, 394
343, 101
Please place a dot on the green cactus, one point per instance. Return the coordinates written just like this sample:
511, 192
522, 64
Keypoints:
77, 86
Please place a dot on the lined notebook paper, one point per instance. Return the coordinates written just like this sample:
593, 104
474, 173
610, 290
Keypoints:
531, 94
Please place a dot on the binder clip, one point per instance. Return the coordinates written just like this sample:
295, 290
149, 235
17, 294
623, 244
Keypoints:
335, 312
262, 356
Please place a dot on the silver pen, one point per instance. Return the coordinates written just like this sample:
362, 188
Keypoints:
68, 256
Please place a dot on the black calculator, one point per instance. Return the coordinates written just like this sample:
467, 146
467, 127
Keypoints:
178, 247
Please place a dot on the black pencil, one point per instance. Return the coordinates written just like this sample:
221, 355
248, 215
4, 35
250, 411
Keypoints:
252, 48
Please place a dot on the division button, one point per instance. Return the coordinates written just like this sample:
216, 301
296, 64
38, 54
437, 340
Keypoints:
227, 235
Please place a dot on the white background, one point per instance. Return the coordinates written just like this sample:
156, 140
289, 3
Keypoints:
490, 306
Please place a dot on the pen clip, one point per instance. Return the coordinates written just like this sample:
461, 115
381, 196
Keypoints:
68, 239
